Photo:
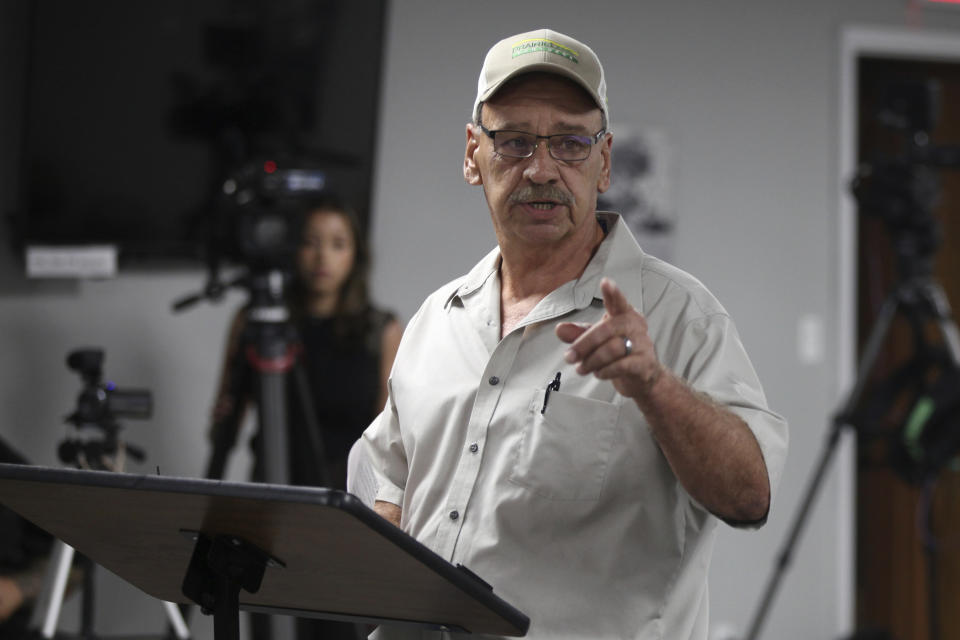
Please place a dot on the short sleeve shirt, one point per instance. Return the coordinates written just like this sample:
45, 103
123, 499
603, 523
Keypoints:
571, 511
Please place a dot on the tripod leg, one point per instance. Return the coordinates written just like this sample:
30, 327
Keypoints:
312, 426
176, 620
274, 460
87, 609
273, 428
930, 556
786, 553
870, 353
938, 301
54, 588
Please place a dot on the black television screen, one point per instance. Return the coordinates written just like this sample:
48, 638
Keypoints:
135, 113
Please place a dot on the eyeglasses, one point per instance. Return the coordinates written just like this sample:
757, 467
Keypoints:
566, 147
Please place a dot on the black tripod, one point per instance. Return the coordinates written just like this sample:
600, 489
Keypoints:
269, 352
98, 406
921, 301
903, 190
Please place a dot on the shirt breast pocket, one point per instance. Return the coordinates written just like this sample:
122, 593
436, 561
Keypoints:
565, 452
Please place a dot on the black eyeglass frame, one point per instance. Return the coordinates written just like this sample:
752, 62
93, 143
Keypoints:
593, 139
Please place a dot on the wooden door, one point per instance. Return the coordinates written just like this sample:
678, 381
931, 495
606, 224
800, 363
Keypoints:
892, 585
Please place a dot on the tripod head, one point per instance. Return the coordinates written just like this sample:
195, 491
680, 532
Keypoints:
99, 404
903, 189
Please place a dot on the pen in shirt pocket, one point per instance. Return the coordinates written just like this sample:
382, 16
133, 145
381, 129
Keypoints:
554, 385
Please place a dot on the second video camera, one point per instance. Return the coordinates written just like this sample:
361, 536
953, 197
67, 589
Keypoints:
101, 403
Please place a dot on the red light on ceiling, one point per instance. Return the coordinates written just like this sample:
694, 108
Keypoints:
956, 2
270, 166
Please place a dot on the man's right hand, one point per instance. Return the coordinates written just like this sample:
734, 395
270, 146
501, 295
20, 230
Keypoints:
388, 511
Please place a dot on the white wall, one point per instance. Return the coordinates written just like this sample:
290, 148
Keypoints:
747, 90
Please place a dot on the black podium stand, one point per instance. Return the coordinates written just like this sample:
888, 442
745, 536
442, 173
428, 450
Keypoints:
267, 548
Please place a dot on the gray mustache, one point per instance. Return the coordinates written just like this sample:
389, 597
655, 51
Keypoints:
532, 193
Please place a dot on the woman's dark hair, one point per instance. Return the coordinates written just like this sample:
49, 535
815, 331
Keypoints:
354, 299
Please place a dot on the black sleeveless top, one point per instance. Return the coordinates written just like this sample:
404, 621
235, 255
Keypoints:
341, 360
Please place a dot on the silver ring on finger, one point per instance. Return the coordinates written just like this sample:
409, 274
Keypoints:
627, 346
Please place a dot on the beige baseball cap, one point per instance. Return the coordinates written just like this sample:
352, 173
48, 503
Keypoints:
542, 50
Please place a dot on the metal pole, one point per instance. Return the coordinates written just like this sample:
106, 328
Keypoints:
61, 560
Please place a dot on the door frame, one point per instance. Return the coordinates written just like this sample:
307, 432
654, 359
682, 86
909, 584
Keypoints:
857, 42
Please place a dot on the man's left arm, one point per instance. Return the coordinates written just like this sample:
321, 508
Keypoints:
710, 449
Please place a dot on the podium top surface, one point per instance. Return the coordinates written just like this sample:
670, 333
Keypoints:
339, 558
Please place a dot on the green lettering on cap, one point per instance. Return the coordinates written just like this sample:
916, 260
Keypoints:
542, 44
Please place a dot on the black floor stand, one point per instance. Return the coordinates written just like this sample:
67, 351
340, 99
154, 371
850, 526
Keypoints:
219, 569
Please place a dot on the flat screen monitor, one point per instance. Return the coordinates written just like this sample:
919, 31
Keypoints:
136, 113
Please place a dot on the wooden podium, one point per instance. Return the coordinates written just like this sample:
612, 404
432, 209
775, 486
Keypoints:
268, 548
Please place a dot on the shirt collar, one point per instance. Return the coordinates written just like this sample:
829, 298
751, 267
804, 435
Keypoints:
616, 258
476, 278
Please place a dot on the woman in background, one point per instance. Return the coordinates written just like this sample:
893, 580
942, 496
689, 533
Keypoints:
347, 348
347, 351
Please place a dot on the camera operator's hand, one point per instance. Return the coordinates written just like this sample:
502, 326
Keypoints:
221, 411
11, 597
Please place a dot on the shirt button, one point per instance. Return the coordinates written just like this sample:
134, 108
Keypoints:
494, 380
454, 514
474, 448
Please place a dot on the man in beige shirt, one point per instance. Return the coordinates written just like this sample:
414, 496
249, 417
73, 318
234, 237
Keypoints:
573, 417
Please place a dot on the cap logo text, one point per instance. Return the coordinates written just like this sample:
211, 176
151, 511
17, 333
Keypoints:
535, 45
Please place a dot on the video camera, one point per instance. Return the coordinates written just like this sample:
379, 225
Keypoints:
256, 222
260, 211
99, 404
903, 189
